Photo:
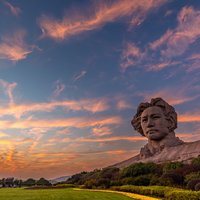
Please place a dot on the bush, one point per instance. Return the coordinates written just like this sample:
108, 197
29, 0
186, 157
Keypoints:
138, 169
191, 184
196, 161
172, 166
197, 187
158, 191
174, 178
191, 176
167, 193
182, 195
155, 180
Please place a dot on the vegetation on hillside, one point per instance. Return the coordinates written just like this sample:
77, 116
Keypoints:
173, 174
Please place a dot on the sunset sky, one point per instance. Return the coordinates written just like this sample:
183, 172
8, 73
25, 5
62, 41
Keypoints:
72, 73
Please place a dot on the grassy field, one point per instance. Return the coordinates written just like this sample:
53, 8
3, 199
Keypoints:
57, 194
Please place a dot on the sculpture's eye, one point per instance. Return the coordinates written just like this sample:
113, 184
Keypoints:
144, 120
156, 117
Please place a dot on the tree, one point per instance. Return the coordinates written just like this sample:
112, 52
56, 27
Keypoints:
140, 169
43, 182
29, 182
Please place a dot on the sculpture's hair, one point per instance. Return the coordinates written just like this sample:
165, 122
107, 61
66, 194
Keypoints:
167, 109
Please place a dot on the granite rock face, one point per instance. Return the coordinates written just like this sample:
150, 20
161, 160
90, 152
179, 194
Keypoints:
183, 152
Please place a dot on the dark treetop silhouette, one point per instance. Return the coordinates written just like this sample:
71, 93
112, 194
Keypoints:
157, 121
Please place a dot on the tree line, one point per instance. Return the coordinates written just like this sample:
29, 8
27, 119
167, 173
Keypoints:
12, 182
175, 174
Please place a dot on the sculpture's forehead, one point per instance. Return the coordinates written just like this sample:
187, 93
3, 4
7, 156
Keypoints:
152, 111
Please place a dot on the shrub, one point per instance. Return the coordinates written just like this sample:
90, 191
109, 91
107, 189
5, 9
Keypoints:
191, 184
196, 161
174, 178
172, 166
187, 169
90, 184
191, 176
138, 169
155, 180
197, 186
109, 173
158, 191
182, 195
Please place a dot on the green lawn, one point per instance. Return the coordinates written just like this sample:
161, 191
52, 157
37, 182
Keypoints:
57, 194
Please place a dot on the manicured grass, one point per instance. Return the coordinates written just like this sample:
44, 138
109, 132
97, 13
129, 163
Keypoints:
57, 194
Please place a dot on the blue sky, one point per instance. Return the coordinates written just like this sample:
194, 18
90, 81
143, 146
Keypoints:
72, 74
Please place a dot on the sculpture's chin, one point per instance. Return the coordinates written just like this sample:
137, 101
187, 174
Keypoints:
156, 136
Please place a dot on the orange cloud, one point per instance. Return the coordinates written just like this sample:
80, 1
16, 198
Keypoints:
123, 104
103, 13
70, 122
14, 47
189, 118
91, 105
111, 139
99, 131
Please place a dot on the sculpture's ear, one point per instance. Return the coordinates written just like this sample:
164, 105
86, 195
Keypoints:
171, 124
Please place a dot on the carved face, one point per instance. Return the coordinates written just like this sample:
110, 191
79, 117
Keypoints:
154, 124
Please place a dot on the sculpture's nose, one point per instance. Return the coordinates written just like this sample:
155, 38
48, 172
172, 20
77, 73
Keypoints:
150, 122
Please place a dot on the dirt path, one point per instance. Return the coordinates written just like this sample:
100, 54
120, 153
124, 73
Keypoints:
132, 195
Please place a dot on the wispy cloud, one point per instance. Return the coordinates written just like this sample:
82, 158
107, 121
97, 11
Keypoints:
59, 88
100, 131
168, 95
170, 46
186, 33
13, 9
14, 47
111, 139
90, 105
56, 123
123, 104
80, 75
103, 13
8, 89
130, 56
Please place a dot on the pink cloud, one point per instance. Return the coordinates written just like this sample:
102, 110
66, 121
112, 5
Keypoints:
56, 123
123, 104
14, 47
161, 65
168, 95
130, 55
102, 13
8, 89
90, 105
13, 9
186, 33
156, 44
100, 131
